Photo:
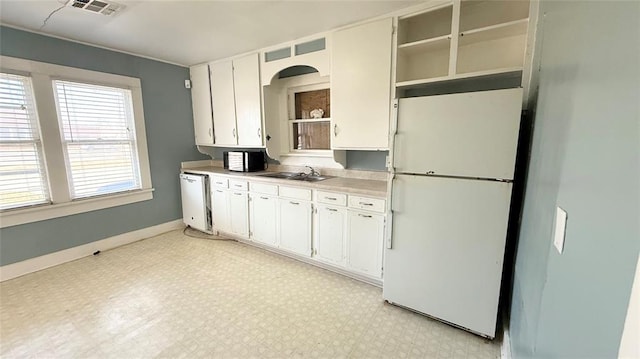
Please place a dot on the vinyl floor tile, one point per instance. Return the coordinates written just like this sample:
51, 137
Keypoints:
174, 296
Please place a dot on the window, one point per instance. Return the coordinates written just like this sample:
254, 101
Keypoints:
82, 148
23, 179
98, 136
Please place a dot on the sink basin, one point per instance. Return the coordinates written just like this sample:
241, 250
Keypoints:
311, 178
295, 176
284, 175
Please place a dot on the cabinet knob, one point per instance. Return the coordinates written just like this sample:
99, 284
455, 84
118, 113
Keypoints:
259, 132
335, 129
233, 132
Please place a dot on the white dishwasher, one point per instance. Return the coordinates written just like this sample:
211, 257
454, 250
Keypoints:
196, 207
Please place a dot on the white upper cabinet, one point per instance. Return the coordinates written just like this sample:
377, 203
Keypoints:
361, 86
223, 99
235, 93
465, 38
246, 80
201, 102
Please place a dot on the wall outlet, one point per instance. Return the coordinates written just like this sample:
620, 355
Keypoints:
560, 230
187, 84
387, 161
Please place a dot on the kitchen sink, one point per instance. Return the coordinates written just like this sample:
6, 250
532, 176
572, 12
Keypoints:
295, 176
283, 175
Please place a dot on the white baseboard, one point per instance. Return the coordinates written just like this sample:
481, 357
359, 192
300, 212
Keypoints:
18, 269
505, 348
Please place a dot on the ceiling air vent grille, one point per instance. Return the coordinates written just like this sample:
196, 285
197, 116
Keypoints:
97, 6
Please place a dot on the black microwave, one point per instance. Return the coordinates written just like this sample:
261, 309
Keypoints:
244, 161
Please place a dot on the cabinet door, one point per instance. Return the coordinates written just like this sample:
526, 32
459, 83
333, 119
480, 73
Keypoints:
223, 103
361, 86
220, 210
331, 234
364, 242
263, 219
295, 226
239, 213
201, 102
246, 82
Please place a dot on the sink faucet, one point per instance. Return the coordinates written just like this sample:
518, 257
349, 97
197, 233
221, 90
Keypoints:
313, 172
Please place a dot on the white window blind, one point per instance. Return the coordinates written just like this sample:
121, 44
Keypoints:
23, 180
98, 135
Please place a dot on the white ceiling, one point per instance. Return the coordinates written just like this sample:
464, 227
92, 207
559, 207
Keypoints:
191, 32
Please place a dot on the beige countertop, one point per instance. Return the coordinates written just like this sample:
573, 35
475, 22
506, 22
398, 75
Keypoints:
364, 187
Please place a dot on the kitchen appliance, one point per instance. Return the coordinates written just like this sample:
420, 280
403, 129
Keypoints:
196, 203
453, 163
244, 161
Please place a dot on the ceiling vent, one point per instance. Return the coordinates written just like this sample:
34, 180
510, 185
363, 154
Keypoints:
97, 6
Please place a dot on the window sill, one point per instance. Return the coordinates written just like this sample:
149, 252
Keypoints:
40, 213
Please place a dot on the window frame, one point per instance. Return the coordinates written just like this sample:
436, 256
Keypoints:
36, 141
132, 141
42, 76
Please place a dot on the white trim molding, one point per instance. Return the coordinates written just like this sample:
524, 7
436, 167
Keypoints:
48, 211
630, 341
18, 269
505, 348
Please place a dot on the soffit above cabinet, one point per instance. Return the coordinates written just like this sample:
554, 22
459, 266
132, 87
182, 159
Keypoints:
191, 32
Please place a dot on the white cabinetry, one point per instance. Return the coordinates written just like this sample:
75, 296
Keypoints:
239, 213
224, 110
295, 220
235, 93
361, 86
201, 102
364, 239
466, 38
332, 222
263, 213
230, 207
220, 209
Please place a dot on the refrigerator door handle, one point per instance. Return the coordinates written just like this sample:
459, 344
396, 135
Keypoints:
393, 134
389, 226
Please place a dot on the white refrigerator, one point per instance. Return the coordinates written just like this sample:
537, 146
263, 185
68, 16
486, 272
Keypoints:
453, 163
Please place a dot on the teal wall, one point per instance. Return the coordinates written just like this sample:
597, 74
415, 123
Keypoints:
169, 127
585, 158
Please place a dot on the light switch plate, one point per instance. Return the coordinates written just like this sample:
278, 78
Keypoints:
187, 84
560, 230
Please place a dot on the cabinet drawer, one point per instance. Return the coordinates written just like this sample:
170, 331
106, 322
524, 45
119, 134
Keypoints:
366, 203
338, 199
222, 182
297, 193
238, 185
271, 189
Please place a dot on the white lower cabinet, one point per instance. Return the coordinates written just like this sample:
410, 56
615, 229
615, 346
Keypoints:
230, 208
220, 209
346, 231
264, 220
331, 242
295, 225
364, 242
239, 213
